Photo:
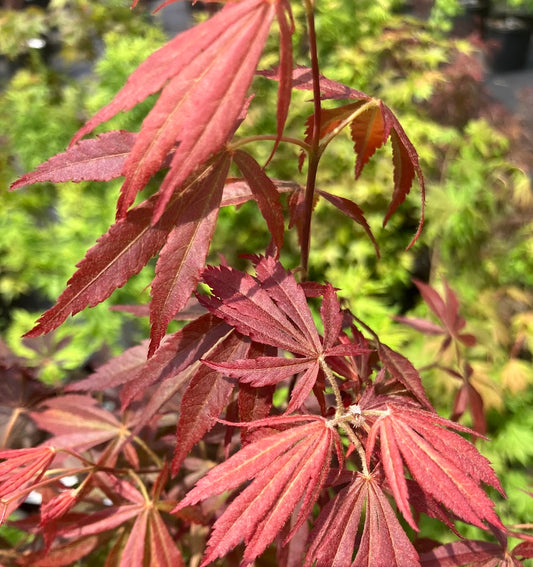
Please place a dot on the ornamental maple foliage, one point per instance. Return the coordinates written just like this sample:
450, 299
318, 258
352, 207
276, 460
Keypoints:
265, 429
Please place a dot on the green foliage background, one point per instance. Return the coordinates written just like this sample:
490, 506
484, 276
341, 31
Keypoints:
478, 233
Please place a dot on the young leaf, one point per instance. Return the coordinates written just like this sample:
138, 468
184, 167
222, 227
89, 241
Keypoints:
370, 130
183, 255
100, 159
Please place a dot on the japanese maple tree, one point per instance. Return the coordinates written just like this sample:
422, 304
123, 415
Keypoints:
260, 431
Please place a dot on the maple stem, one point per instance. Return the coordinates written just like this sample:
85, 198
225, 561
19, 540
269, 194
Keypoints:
140, 484
339, 410
9, 426
148, 451
356, 442
314, 153
271, 138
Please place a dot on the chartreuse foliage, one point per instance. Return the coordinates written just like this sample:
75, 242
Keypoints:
339, 470
39, 112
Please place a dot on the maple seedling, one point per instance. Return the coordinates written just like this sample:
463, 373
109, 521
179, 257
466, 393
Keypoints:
259, 426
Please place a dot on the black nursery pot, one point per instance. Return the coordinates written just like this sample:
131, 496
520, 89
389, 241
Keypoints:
507, 44
471, 19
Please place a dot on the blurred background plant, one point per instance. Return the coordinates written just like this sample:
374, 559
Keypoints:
478, 232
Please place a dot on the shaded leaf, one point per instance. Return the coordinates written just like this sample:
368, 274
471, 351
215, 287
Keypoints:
115, 372
402, 370
302, 79
207, 394
177, 353
101, 521
462, 553
66, 554
76, 422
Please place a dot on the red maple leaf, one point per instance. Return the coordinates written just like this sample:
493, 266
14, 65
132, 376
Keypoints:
383, 542
445, 465
286, 467
272, 309
446, 310
190, 115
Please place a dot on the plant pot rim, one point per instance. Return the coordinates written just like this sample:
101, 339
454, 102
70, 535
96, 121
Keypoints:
506, 23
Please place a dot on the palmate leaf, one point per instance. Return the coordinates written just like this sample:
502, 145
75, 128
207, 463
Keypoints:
445, 466
272, 309
370, 129
383, 542
240, 300
203, 74
76, 422
286, 467
447, 311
